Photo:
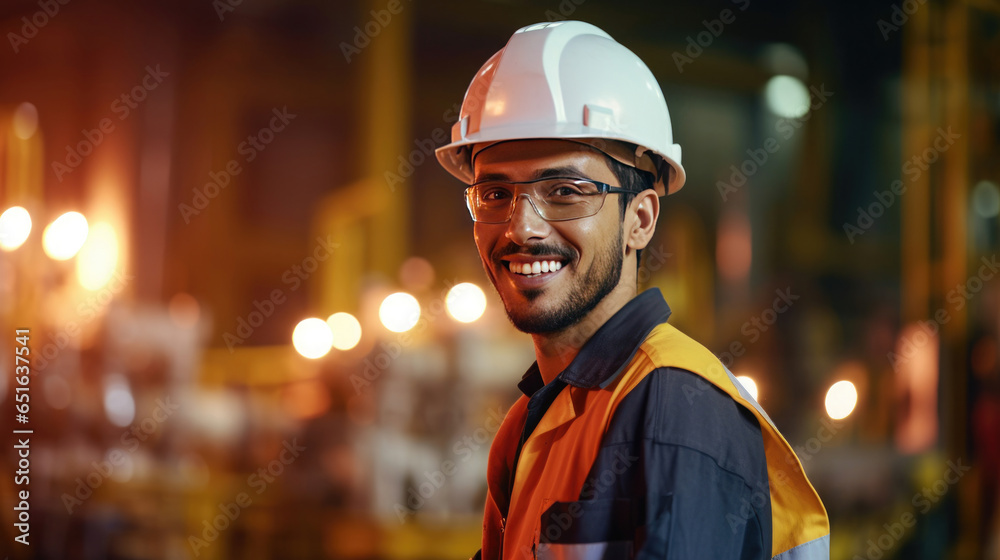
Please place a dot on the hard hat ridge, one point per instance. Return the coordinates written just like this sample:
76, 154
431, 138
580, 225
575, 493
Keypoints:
568, 80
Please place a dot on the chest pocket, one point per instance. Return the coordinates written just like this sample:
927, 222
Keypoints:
589, 529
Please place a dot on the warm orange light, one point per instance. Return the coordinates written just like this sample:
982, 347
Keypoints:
734, 247
399, 312
15, 225
749, 384
64, 237
312, 338
25, 121
346, 330
841, 400
466, 302
97, 260
916, 364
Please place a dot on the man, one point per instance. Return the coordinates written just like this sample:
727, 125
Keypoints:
631, 439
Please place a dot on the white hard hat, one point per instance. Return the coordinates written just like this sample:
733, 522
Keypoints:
567, 80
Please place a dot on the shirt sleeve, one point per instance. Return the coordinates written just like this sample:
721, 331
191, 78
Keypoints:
704, 484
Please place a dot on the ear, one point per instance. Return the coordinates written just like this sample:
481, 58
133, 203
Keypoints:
641, 219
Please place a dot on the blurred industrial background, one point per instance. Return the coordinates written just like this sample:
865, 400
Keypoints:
259, 328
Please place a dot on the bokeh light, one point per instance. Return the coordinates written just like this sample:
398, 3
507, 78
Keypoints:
749, 384
466, 302
346, 330
119, 405
25, 121
96, 264
64, 237
15, 225
312, 338
841, 399
787, 96
399, 312
986, 199
734, 247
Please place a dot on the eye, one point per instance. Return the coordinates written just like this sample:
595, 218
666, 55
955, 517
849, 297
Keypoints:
566, 189
564, 192
492, 193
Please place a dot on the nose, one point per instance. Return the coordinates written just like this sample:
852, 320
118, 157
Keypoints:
525, 222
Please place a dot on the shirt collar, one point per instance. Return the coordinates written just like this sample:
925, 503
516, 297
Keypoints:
610, 348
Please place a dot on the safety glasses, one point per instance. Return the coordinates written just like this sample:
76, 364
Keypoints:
555, 199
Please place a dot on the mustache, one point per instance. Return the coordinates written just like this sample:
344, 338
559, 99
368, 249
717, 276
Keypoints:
534, 251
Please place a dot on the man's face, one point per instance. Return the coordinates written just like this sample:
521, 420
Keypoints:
590, 250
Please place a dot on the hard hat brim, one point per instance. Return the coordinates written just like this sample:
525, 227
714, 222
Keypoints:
456, 157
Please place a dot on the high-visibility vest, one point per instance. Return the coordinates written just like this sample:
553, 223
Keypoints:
555, 460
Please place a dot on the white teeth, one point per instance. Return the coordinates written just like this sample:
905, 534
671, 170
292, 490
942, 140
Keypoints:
537, 267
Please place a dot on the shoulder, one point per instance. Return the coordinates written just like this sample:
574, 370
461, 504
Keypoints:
677, 407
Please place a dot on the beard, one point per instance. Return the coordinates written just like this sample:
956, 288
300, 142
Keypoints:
588, 291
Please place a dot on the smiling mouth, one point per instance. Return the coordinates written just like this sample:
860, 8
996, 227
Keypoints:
533, 268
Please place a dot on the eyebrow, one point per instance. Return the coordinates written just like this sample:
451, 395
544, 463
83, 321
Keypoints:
563, 171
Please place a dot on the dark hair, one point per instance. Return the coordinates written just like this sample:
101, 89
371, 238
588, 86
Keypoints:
635, 181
